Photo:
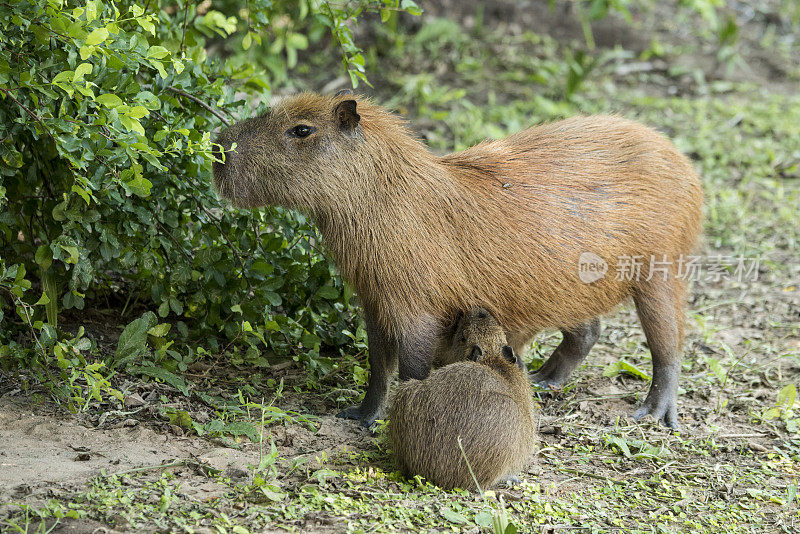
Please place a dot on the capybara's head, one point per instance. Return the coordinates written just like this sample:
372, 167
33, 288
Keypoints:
477, 327
292, 155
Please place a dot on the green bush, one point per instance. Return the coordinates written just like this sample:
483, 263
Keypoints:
107, 114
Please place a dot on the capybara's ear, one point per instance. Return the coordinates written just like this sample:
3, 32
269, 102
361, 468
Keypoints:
346, 115
458, 319
341, 92
454, 326
508, 354
475, 353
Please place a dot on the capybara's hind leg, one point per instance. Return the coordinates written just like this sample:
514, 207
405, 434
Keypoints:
659, 304
574, 347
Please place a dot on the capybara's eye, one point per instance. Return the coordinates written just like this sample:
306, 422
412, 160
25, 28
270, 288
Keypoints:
301, 130
463, 339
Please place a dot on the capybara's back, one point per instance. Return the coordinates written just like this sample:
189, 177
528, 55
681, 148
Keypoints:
486, 405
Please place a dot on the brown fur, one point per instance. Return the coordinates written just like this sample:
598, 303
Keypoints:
501, 224
476, 327
487, 404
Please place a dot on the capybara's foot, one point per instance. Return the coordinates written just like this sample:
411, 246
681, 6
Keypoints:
509, 480
662, 406
575, 345
357, 414
547, 378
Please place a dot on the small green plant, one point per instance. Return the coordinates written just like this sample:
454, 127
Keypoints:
501, 524
784, 405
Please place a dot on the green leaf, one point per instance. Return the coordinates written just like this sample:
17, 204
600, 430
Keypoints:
787, 396
109, 100
137, 112
131, 124
716, 368
165, 376
175, 305
159, 67
328, 292
273, 298
483, 519
159, 330
83, 193
62, 77
48, 336
146, 25
74, 255
453, 516
619, 443
93, 7
44, 257
96, 37
241, 428
86, 52
82, 70
133, 340
157, 52
410, 7
624, 367
140, 186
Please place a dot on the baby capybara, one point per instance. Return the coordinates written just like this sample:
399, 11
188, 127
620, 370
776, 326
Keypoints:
485, 401
514, 225
475, 327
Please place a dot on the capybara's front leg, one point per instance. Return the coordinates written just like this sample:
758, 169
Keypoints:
660, 310
416, 347
383, 351
575, 345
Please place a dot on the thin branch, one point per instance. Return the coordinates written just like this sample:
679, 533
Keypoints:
185, 15
233, 249
177, 244
201, 103
23, 106
28, 319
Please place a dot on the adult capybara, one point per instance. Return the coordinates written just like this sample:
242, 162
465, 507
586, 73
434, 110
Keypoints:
543, 228
485, 402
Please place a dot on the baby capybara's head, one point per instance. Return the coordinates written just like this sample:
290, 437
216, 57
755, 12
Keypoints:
477, 327
506, 355
289, 156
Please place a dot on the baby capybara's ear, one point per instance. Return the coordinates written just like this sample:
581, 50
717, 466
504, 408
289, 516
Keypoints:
508, 355
475, 353
346, 115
